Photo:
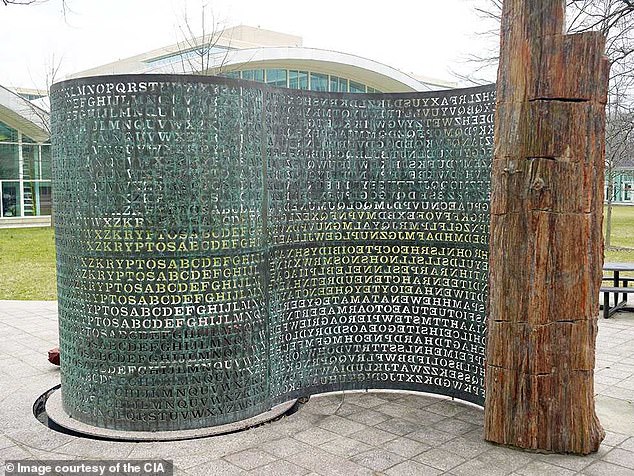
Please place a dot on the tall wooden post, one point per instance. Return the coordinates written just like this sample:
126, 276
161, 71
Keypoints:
546, 251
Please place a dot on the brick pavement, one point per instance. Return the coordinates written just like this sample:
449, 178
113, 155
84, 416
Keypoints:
356, 433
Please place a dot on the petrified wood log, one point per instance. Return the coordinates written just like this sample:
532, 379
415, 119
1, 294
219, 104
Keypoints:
546, 248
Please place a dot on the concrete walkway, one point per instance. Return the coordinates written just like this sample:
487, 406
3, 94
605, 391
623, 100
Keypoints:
372, 433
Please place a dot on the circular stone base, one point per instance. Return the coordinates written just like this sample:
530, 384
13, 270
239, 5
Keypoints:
57, 414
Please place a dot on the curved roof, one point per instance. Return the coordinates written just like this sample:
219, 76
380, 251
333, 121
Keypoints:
245, 47
23, 115
357, 68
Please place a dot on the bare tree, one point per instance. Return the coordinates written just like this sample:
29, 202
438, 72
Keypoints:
32, 2
41, 108
619, 151
39, 111
199, 50
612, 17
615, 19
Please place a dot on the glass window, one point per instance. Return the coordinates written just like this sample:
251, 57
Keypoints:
298, 79
318, 82
357, 87
11, 199
9, 161
253, 75
27, 139
627, 192
232, 74
7, 134
31, 162
276, 77
193, 56
338, 85
29, 199
46, 161
45, 199
37, 198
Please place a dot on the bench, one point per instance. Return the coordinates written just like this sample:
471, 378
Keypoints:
616, 285
606, 290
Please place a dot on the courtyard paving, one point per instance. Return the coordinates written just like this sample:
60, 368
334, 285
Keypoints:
365, 433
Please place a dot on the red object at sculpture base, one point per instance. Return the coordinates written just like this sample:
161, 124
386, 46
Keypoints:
53, 356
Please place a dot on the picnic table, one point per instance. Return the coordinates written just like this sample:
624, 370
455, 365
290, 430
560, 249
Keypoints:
618, 285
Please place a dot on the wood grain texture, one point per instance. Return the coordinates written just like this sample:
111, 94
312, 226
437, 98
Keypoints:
546, 249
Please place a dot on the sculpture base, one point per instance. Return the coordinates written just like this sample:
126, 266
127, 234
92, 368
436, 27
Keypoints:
57, 414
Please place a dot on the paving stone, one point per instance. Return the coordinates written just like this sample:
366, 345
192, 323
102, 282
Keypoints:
405, 447
5, 442
279, 468
335, 428
217, 467
41, 437
602, 468
346, 447
368, 417
544, 469
178, 471
507, 458
341, 426
315, 436
415, 400
575, 463
412, 468
377, 459
621, 457
373, 436
328, 464
14, 452
476, 435
285, 447
423, 417
255, 436
626, 444
617, 439
448, 408
370, 399
189, 461
475, 466
466, 447
455, 427
440, 459
394, 410
96, 449
618, 393
180, 451
390, 396
325, 405
472, 415
344, 409
297, 422
250, 459
431, 436
398, 426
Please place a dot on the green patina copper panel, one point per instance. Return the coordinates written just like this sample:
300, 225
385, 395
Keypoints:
378, 228
159, 233
224, 246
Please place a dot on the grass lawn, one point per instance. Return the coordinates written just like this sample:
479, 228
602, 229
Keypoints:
27, 264
27, 257
622, 242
